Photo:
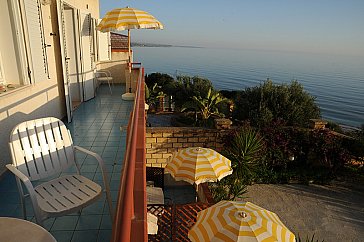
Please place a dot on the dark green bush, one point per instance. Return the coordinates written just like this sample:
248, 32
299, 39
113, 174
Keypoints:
334, 126
356, 145
205, 108
269, 102
187, 87
245, 148
161, 79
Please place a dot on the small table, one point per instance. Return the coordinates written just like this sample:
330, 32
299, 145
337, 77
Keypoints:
155, 195
14, 230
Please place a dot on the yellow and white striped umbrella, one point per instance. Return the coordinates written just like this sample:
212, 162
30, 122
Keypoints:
198, 165
127, 18
238, 221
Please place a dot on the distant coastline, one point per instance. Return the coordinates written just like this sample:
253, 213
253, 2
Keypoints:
135, 44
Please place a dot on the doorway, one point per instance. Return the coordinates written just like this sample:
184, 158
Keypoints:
73, 56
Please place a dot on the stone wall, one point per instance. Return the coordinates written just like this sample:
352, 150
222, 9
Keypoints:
162, 142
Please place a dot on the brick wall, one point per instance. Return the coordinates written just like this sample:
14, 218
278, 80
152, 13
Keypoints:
162, 142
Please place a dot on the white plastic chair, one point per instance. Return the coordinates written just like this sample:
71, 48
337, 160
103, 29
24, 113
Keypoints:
43, 148
104, 76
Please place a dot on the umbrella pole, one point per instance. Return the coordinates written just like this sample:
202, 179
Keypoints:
129, 60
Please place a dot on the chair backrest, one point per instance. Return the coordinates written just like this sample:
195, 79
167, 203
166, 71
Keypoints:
41, 147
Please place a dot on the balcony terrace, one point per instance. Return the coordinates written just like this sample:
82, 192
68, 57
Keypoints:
95, 126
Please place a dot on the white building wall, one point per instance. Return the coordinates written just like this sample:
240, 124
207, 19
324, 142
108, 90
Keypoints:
43, 97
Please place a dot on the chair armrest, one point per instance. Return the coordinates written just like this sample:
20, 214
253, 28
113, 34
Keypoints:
103, 172
102, 73
20, 175
107, 71
98, 158
28, 185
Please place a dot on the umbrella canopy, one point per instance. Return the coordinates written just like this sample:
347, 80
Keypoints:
198, 165
238, 221
127, 18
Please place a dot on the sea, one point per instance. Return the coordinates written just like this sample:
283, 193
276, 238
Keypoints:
336, 81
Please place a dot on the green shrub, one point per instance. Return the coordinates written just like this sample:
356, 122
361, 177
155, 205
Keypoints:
204, 107
187, 87
334, 126
229, 188
153, 95
356, 145
244, 148
269, 102
161, 79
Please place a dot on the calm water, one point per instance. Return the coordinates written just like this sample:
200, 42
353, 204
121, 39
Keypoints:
337, 82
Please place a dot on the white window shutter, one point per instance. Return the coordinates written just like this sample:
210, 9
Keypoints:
37, 48
103, 45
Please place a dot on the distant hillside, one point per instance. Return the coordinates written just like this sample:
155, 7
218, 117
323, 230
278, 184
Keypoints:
136, 44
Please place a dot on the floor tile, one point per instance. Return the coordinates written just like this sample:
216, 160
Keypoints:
85, 236
62, 236
48, 223
65, 223
104, 235
10, 197
106, 222
94, 209
89, 222
89, 168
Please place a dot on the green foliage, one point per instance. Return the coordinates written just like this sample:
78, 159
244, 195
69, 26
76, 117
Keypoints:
334, 126
187, 87
356, 145
277, 139
269, 102
153, 95
161, 79
326, 150
244, 149
229, 188
204, 106
302, 154
182, 89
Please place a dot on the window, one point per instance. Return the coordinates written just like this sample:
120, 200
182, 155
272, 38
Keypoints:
12, 60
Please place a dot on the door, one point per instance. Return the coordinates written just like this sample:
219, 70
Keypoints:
86, 46
65, 58
71, 36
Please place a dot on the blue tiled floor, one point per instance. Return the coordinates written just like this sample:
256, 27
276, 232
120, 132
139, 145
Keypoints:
95, 126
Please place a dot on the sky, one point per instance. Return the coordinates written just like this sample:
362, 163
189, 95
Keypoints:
313, 26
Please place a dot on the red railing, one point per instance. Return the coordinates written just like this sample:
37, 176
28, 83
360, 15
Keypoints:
130, 223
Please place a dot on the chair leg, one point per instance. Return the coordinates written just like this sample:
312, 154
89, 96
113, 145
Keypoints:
24, 210
22, 198
108, 82
109, 201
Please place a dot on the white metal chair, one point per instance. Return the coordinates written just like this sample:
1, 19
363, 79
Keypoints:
43, 148
104, 76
